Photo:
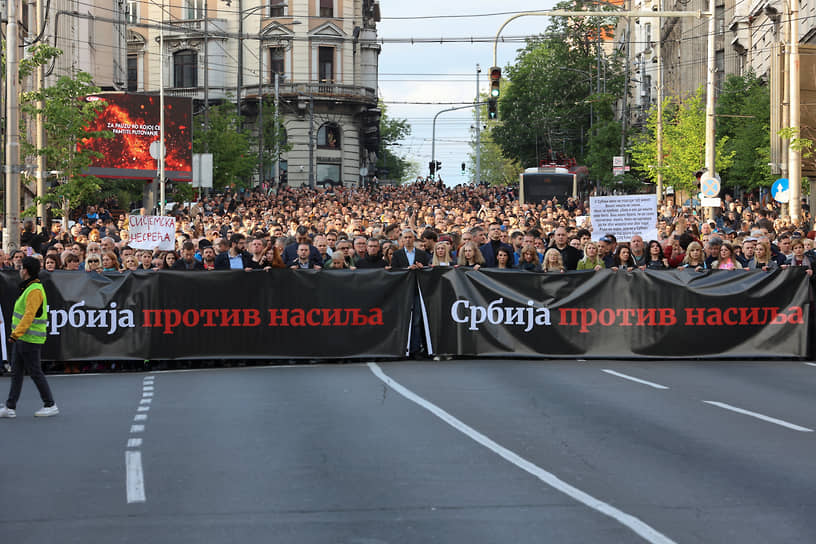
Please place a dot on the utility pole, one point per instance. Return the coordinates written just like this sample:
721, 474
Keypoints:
240, 78
709, 146
11, 232
162, 183
311, 142
277, 132
659, 52
478, 130
624, 112
40, 137
794, 154
260, 113
206, 76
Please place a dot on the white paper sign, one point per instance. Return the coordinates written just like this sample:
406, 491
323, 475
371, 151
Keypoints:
624, 216
152, 231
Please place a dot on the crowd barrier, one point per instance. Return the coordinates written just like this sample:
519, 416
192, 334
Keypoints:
341, 314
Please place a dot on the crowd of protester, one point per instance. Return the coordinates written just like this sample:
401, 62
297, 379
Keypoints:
417, 226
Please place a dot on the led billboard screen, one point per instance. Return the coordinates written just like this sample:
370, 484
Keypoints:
133, 152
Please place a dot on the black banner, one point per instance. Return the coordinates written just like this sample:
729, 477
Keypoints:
664, 314
224, 314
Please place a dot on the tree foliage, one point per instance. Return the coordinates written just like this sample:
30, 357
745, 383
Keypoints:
392, 130
743, 119
234, 159
553, 96
683, 143
496, 169
65, 119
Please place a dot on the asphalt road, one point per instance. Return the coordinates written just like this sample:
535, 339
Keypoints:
418, 452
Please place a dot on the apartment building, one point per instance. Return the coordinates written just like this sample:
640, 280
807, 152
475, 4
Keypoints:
322, 53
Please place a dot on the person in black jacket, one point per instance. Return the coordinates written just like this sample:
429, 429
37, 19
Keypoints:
569, 255
408, 256
188, 260
373, 257
236, 257
494, 243
290, 253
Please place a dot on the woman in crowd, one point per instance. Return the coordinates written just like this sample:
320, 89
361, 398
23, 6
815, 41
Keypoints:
130, 263
654, 257
388, 251
168, 260
799, 258
763, 258
694, 258
504, 258
591, 261
553, 262
442, 255
52, 262
272, 258
726, 260
623, 259
93, 263
470, 256
109, 262
529, 259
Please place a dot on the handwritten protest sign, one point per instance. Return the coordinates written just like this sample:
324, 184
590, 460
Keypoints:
152, 231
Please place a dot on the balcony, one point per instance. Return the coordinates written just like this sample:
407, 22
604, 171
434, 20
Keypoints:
322, 90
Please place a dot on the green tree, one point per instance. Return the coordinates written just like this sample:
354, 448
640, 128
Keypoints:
234, 159
604, 143
392, 130
683, 143
65, 119
553, 99
744, 118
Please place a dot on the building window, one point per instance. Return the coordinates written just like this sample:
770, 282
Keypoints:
325, 61
277, 8
193, 9
276, 61
329, 174
132, 73
185, 69
327, 8
328, 136
132, 12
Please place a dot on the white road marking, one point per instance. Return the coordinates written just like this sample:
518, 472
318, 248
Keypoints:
140, 417
135, 477
811, 364
147, 388
134, 442
147, 394
137, 428
642, 529
143, 409
632, 378
145, 401
769, 419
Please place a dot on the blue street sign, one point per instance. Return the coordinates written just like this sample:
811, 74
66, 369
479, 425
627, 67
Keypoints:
780, 190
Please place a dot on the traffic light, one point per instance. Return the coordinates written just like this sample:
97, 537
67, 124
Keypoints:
463, 168
438, 166
492, 108
495, 82
432, 167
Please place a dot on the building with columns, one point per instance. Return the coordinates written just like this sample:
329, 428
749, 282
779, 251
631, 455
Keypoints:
322, 54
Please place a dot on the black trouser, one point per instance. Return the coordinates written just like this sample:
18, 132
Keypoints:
26, 357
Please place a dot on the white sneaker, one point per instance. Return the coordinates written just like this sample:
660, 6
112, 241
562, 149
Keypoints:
8, 412
47, 411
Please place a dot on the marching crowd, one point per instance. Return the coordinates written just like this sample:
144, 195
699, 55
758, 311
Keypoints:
418, 225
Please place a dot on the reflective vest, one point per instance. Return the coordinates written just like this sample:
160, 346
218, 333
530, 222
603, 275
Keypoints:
39, 327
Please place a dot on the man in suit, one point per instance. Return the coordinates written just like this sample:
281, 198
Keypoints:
409, 256
493, 245
290, 252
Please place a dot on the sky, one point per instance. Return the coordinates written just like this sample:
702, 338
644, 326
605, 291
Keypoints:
442, 74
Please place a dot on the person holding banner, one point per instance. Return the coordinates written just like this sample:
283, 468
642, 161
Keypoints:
29, 330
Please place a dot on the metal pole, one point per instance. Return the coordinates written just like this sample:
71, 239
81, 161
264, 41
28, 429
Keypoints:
659, 52
260, 113
277, 132
206, 77
433, 131
311, 142
162, 188
794, 154
624, 112
709, 143
478, 130
11, 232
41, 171
240, 78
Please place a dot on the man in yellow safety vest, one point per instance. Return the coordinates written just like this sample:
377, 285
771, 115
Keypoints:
29, 325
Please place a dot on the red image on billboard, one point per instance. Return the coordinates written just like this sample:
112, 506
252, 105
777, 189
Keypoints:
133, 152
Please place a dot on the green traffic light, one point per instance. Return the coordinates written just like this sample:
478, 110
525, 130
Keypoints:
494, 92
